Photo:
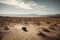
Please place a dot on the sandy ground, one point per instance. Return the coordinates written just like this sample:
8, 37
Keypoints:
29, 28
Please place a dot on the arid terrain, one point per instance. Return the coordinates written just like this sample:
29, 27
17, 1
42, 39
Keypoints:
29, 28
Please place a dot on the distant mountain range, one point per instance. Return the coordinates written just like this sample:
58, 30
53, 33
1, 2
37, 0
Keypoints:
29, 15
54, 16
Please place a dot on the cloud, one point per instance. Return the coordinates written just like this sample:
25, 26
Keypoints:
29, 7
24, 5
32, 3
20, 4
32, 12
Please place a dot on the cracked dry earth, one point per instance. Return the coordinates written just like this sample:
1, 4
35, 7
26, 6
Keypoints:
29, 28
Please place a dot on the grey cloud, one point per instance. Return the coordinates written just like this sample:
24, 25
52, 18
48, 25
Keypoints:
53, 4
10, 7
38, 9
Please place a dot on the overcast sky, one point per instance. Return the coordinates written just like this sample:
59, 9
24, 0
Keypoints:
38, 7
